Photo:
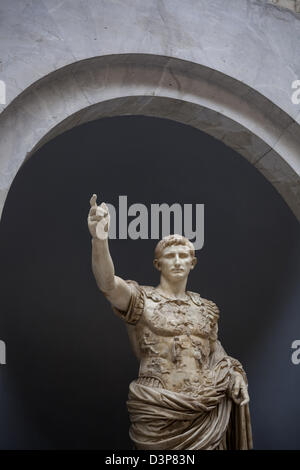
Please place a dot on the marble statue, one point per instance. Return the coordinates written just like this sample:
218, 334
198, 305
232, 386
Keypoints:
189, 393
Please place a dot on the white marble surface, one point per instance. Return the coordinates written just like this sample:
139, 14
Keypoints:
250, 40
225, 70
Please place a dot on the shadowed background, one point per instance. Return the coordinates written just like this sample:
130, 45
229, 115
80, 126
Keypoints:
69, 362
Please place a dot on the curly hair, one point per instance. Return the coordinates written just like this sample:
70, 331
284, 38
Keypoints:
170, 240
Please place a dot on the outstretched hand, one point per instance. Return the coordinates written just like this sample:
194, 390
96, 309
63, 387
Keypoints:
98, 219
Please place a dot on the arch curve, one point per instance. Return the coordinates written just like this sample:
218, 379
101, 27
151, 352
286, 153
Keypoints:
153, 85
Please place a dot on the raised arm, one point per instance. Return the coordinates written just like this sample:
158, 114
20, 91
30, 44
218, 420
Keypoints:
115, 289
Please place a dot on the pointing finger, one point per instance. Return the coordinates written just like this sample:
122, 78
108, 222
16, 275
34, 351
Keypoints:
93, 200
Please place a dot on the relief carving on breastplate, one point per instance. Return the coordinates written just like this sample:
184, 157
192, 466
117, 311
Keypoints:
191, 385
174, 341
180, 318
157, 366
201, 350
180, 344
148, 341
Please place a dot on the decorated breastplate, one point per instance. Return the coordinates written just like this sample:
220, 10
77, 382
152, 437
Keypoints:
170, 317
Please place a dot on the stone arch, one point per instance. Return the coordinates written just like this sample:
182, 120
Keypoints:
154, 85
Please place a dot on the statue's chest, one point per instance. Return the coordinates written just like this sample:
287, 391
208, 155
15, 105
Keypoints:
176, 318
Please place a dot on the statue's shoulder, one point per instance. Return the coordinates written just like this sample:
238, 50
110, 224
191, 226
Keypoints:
196, 298
151, 293
148, 291
210, 306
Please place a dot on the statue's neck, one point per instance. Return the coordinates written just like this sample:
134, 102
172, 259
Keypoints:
172, 289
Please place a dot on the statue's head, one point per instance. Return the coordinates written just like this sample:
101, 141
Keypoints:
174, 257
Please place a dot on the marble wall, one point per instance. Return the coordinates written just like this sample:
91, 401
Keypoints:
227, 70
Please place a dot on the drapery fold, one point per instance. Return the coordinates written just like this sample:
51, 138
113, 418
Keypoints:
166, 420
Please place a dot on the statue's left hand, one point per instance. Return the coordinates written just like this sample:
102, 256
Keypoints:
239, 390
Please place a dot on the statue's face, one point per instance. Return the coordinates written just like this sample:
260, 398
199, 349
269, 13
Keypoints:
175, 262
